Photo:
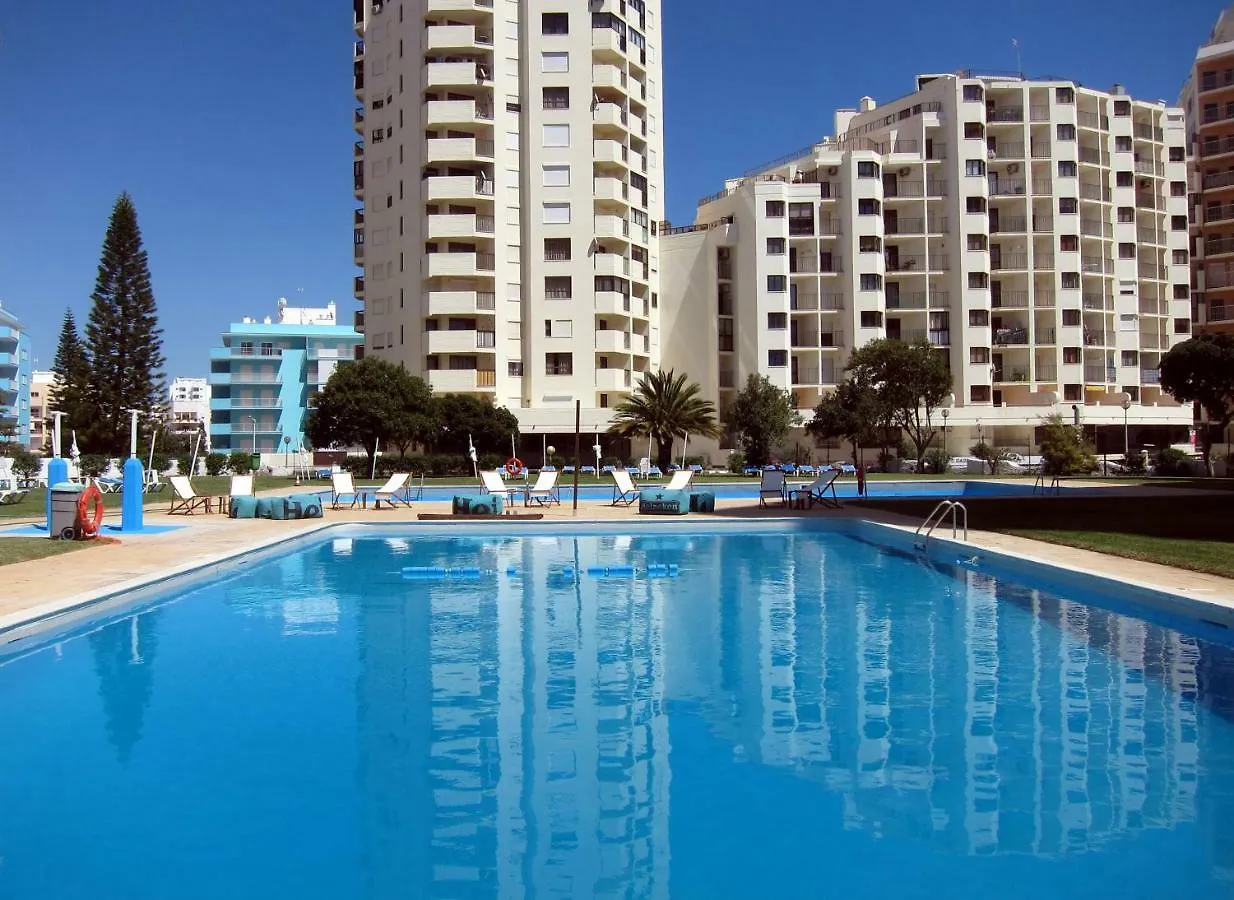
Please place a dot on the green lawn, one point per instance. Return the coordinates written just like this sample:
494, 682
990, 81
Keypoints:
20, 549
1185, 531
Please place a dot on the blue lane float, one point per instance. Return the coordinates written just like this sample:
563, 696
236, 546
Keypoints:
611, 571
662, 570
442, 573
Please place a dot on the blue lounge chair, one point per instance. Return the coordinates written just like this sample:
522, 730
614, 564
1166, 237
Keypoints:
588, 470
751, 470
788, 469
696, 468
567, 470
655, 470
807, 469
848, 469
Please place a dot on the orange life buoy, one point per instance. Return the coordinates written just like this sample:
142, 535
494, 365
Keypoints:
90, 524
514, 465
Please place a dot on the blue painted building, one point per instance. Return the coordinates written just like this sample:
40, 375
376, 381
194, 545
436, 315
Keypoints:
262, 377
14, 379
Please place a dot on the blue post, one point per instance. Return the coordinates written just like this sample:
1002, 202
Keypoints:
131, 495
57, 472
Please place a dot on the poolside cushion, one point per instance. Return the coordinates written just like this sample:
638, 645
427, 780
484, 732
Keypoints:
263, 507
703, 501
482, 505
279, 508
242, 508
663, 503
304, 506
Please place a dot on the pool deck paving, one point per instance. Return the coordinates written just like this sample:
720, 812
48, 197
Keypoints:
39, 588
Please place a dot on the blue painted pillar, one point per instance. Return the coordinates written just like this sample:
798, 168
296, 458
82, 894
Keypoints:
57, 472
131, 509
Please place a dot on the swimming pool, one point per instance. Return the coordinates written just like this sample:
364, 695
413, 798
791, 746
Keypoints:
748, 490
782, 715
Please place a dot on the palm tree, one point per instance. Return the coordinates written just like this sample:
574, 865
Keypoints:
666, 407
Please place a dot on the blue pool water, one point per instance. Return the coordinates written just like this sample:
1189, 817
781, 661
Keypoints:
791, 715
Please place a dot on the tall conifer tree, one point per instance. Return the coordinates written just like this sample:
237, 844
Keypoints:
71, 393
123, 338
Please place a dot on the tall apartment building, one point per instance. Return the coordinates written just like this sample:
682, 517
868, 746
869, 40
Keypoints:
264, 375
14, 380
1208, 101
510, 170
41, 386
190, 406
1034, 231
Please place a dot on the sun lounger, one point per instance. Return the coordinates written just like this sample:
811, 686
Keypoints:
109, 485
492, 483
185, 500
341, 486
12, 497
625, 491
772, 486
821, 490
587, 470
391, 490
544, 491
680, 481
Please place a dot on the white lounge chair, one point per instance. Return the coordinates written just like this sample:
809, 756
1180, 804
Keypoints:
393, 491
342, 486
680, 481
625, 491
153, 484
817, 490
492, 483
241, 486
186, 502
772, 485
544, 491
12, 497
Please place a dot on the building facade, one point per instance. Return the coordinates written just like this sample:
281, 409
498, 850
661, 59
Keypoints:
189, 409
41, 386
510, 167
14, 380
1035, 232
1208, 101
265, 374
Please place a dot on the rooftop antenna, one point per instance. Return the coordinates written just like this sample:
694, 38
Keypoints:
1019, 66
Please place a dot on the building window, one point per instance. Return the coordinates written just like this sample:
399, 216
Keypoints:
1178, 154
777, 359
871, 319
974, 130
1182, 326
1181, 292
556, 98
558, 328
978, 355
1178, 189
1124, 179
1178, 223
1130, 358
978, 242
979, 318
869, 243
724, 331
1126, 215
556, 136
974, 167
1070, 280
975, 204
775, 246
777, 284
1064, 95
1066, 168
775, 209
555, 23
1122, 108
1179, 257
1122, 145
1071, 356
978, 280
559, 287
556, 176
973, 93
725, 298
554, 61
1071, 318
1066, 205
867, 207
515, 368
866, 169
1065, 132
556, 214
1126, 251
558, 363
871, 282
979, 393
1072, 393
1069, 243
777, 321
556, 249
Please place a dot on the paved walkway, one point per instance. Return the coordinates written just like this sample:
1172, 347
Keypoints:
38, 587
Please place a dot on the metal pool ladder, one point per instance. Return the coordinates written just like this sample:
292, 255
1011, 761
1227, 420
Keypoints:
959, 519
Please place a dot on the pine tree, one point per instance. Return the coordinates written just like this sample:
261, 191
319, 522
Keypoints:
124, 340
71, 393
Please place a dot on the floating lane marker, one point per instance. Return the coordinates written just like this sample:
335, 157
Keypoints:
441, 573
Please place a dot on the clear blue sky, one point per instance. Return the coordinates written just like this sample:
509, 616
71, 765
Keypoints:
230, 123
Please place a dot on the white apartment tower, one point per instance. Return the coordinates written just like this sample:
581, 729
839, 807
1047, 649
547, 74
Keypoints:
1035, 231
510, 166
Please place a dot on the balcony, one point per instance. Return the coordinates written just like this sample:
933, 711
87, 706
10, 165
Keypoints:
1150, 376
1040, 150
454, 265
610, 189
613, 379
1092, 155
1043, 298
357, 120
606, 151
1011, 337
456, 112
1011, 375
612, 303
611, 227
456, 6
451, 303
1005, 114
458, 226
456, 37
608, 76
1218, 246
1096, 228
1009, 225
1152, 270
1097, 302
1094, 338
610, 264
1149, 167
1009, 262
247, 403
456, 74
460, 381
1008, 187
358, 287
915, 262
459, 342
448, 150
608, 115
1092, 120
1089, 191
901, 188
1043, 262
1150, 236
1096, 265
1218, 212
1218, 180
1046, 372
254, 376
1007, 150
1010, 300
1153, 341
611, 341
457, 187
1099, 374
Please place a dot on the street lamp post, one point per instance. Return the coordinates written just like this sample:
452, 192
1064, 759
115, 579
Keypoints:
254, 421
946, 416
1126, 443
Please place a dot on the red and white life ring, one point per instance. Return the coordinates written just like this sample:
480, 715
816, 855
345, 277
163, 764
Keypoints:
514, 466
87, 521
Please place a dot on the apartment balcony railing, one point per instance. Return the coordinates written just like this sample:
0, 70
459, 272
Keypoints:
1042, 185
1218, 278
936, 189
1045, 336
902, 188
1148, 132
1096, 228
915, 300
1097, 374
1008, 187
1009, 374
1151, 341
1090, 155
1089, 191
358, 286
831, 340
1149, 167
1212, 82
1153, 270
1218, 212
1006, 114
1092, 120
1039, 113
1040, 149
1219, 312
1043, 298
1010, 300
1218, 180
1043, 223
1009, 224
1006, 261
1045, 372
1145, 199
1094, 338
1006, 150
1096, 301
1149, 235
1217, 246
1217, 146
916, 262
1093, 265
1011, 337
1150, 376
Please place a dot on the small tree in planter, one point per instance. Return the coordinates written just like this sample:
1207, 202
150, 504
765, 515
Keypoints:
215, 464
25, 464
240, 463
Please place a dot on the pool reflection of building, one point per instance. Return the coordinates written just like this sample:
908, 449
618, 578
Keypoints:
531, 732
291, 588
1063, 747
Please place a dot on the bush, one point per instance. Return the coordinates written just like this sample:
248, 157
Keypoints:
160, 462
936, 462
215, 464
184, 462
93, 464
736, 462
1171, 462
1134, 464
25, 464
240, 463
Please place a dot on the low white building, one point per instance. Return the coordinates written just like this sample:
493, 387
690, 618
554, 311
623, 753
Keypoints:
190, 406
41, 386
